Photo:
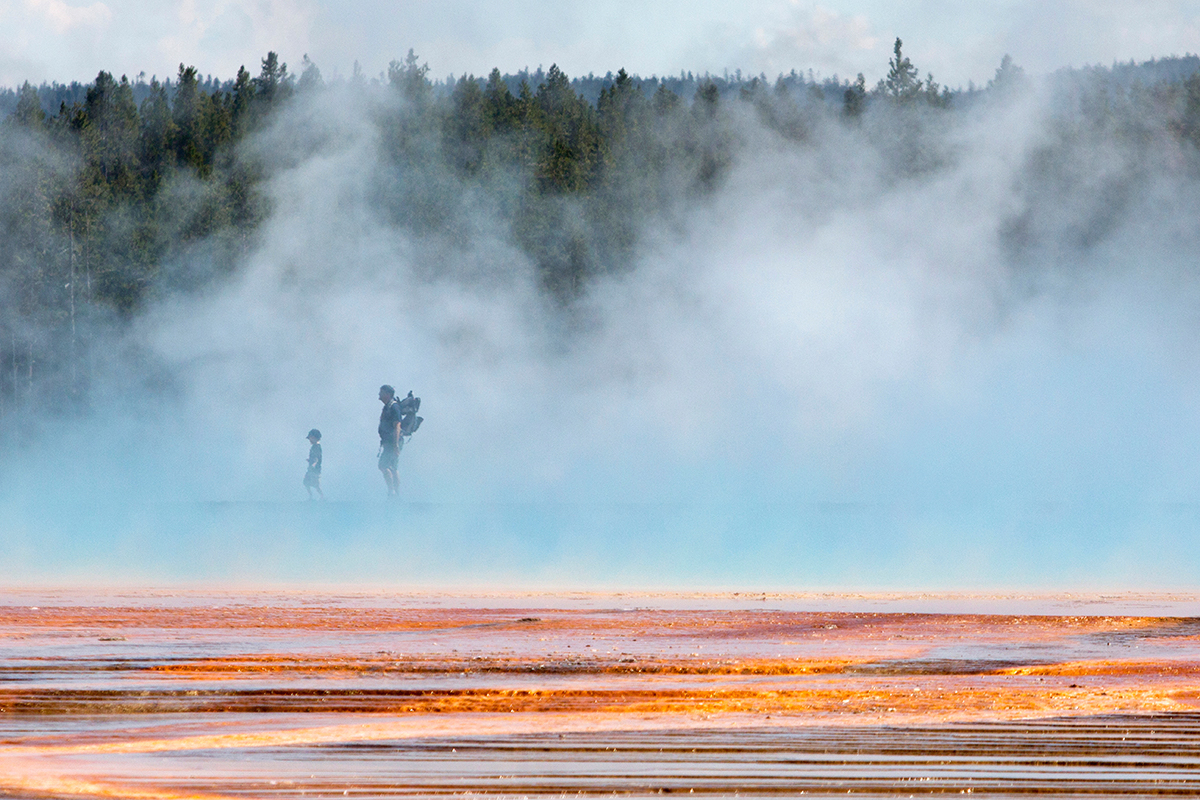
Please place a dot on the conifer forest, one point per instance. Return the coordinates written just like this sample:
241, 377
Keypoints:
117, 194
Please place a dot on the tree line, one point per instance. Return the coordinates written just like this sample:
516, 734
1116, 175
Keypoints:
133, 191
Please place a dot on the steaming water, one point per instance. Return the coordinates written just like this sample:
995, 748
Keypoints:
553, 545
823, 374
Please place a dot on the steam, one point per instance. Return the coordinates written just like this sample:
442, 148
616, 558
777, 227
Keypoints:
945, 360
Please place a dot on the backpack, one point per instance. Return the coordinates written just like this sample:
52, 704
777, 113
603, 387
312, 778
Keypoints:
409, 421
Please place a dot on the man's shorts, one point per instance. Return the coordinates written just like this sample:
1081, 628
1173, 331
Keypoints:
390, 457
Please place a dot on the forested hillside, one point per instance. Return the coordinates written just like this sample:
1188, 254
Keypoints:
127, 193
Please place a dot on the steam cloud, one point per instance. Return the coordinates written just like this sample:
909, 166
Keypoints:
833, 371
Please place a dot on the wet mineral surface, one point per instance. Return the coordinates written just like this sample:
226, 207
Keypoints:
291, 694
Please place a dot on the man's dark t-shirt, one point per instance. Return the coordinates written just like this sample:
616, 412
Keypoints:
388, 419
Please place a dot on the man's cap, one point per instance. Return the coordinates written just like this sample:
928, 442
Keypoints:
313, 434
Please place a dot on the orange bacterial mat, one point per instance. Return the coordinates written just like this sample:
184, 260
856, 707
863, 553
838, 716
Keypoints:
292, 694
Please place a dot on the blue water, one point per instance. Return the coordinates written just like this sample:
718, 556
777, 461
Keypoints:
776, 546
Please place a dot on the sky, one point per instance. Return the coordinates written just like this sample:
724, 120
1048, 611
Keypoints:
959, 42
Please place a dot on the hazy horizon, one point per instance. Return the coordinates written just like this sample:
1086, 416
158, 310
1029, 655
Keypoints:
47, 40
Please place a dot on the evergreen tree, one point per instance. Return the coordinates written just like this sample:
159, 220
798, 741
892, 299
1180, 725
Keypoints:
109, 128
706, 99
555, 97
189, 113
219, 128
468, 127
310, 76
934, 95
29, 113
902, 84
568, 122
273, 84
621, 109
411, 80
854, 100
158, 134
501, 106
1009, 78
1190, 124
242, 102
665, 101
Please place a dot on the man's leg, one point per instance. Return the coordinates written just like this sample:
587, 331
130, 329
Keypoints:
388, 466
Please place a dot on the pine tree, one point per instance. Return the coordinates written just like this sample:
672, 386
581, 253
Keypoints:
310, 76
555, 97
1009, 79
189, 115
242, 104
621, 109
500, 105
157, 134
411, 79
468, 126
902, 84
273, 84
109, 128
935, 95
1189, 126
29, 113
664, 101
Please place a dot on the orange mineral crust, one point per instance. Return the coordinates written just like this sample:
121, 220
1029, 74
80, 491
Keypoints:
104, 695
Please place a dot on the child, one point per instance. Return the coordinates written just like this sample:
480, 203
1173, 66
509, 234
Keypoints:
312, 478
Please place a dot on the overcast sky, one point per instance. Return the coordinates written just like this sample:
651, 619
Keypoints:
66, 40
958, 41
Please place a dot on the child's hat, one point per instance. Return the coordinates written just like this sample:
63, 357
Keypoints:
313, 434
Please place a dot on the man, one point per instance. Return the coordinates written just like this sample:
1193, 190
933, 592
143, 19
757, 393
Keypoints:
389, 439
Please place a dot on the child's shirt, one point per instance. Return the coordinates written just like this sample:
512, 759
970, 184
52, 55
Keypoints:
314, 458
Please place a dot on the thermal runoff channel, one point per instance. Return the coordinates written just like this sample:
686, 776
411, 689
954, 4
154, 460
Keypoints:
694, 331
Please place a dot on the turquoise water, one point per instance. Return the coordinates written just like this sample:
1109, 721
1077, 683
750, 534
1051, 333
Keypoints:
769, 546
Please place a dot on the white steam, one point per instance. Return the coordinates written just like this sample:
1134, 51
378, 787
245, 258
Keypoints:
826, 373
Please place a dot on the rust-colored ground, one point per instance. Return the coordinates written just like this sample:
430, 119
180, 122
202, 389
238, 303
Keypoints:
91, 685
